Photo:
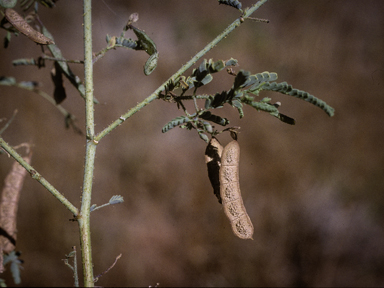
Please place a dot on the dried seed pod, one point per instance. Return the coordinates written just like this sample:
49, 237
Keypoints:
213, 160
230, 192
20, 24
9, 203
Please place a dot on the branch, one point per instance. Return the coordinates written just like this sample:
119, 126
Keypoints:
37, 176
191, 62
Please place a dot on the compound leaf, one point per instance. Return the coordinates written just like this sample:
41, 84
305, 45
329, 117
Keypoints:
8, 3
56, 52
214, 118
287, 89
233, 3
8, 81
175, 122
116, 199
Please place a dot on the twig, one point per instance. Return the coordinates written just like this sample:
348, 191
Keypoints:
106, 271
37, 176
9, 122
74, 267
63, 60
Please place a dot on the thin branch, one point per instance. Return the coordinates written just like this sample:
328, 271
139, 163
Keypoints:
106, 271
37, 176
8, 123
73, 255
101, 53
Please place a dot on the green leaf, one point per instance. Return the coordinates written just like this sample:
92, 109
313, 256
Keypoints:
175, 122
217, 100
13, 258
240, 79
8, 3
258, 79
207, 126
24, 61
15, 269
237, 104
71, 254
28, 84
144, 41
202, 135
214, 118
127, 43
116, 199
233, 3
287, 89
151, 63
231, 62
93, 206
8, 81
216, 66
208, 78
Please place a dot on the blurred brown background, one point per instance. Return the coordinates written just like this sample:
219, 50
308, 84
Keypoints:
314, 191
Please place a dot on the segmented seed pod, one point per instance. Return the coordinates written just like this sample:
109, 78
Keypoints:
230, 192
9, 203
20, 24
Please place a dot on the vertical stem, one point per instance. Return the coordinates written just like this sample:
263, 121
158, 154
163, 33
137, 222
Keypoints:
84, 218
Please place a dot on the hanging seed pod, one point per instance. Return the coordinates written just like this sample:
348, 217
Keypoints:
230, 192
21, 25
9, 203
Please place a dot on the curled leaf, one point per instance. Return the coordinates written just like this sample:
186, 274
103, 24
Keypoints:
151, 63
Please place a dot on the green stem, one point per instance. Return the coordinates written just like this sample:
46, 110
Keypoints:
180, 72
75, 272
37, 176
84, 218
